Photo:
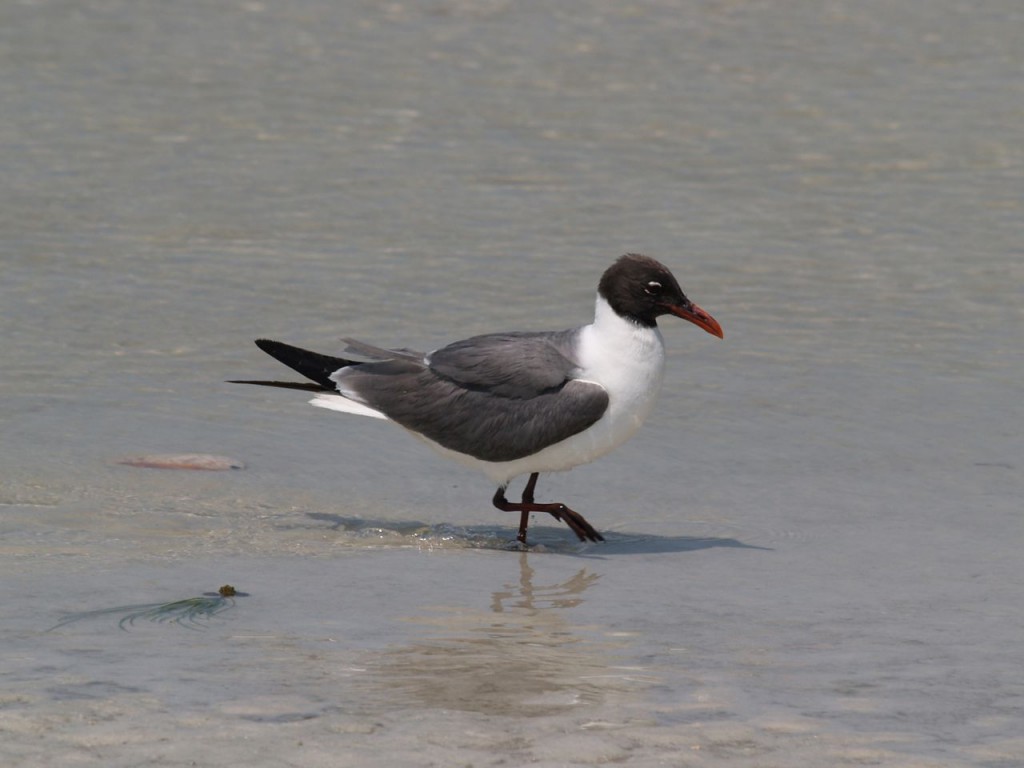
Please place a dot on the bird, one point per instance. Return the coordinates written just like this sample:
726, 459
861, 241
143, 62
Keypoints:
520, 402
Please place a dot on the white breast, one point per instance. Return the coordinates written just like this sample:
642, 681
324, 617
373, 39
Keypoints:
628, 360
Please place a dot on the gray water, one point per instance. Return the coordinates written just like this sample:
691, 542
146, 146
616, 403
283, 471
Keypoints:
813, 553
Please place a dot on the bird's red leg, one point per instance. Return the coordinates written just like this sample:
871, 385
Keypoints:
505, 505
527, 500
576, 522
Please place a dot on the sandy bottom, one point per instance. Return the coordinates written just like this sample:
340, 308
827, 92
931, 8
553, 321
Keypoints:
410, 645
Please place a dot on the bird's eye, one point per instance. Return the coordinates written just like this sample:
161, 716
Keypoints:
653, 288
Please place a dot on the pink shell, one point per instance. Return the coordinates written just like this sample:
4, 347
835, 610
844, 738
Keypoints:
183, 461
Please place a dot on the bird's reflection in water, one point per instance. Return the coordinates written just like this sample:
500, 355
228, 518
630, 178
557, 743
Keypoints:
524, 657
526, 596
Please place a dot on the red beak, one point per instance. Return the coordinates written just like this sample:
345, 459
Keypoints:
698, 317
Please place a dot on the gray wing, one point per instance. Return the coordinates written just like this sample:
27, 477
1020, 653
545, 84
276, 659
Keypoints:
517, 365
496, 398
372, 352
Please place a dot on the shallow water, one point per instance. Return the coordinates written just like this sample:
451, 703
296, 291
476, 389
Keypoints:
813, 548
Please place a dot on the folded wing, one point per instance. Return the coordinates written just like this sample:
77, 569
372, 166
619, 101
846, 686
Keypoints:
496, 398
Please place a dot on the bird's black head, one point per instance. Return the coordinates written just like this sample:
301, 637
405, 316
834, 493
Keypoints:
642, 289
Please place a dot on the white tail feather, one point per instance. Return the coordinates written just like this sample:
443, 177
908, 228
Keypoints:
339, 403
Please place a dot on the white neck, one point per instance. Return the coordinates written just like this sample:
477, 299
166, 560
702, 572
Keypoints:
626, 358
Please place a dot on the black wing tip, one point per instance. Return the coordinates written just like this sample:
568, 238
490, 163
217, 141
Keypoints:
312, 365
268, 344
302, 385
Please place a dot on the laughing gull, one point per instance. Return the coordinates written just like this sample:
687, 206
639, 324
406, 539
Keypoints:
522, 402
